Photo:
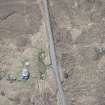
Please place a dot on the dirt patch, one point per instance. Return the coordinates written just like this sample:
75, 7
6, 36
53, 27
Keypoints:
22, 18
22, 35
78, 31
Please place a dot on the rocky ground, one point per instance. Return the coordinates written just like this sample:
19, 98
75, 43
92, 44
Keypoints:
79, 33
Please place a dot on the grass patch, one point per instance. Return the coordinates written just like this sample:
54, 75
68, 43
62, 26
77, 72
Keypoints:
41, 64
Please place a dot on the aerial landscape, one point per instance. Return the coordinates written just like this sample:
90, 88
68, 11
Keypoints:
52, 52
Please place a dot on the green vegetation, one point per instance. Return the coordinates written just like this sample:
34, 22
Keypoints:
100, 52
2, 74
41, 64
